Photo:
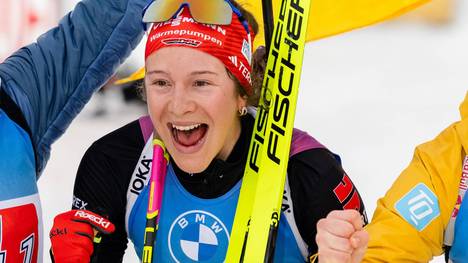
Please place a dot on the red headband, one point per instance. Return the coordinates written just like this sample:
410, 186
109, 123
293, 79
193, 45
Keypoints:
229, 43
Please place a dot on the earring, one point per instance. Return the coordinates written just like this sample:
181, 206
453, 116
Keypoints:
243, 111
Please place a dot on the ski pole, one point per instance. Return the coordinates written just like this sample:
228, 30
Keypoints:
267, 8
268, 21
156, 186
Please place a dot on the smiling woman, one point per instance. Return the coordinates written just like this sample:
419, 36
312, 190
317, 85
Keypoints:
198, 92
194, 108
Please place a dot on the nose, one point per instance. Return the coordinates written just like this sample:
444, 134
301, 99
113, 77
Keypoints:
181, 102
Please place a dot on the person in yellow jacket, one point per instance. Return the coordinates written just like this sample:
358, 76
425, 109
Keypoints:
421, 216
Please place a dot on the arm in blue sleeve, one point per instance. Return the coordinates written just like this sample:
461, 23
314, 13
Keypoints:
52, 79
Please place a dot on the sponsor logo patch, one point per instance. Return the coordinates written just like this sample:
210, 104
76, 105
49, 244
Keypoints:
140, 176
98, 220
198, 236
233, 59
246, 51
79, 203
418, 207
182, 41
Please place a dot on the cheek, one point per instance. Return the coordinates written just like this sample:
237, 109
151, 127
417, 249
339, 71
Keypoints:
155, 108
224, 111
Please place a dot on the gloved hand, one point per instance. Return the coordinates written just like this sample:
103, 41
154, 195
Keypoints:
73, 233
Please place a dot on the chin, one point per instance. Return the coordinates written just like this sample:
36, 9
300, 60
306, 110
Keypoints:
192, 165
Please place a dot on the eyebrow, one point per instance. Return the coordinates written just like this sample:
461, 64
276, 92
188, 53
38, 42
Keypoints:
193, 73
156, 72
203, 72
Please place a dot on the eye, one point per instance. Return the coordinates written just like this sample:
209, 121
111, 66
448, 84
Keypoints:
160, 82
201, 83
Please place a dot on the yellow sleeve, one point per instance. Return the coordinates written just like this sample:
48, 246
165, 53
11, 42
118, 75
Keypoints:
409, 221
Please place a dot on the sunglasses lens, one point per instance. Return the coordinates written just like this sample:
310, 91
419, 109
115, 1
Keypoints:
216, 12
162, 10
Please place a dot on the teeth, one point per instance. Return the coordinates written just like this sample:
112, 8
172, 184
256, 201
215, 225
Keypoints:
185, 128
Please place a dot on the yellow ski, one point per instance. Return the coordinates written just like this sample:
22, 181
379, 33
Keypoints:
259, 207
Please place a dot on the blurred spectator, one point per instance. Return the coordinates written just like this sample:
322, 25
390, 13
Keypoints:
21, 22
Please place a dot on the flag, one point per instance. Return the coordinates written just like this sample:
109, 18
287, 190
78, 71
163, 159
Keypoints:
332, 17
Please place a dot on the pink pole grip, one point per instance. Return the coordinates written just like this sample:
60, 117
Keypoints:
158, 176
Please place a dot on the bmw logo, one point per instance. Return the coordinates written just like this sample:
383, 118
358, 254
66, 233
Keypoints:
198, 236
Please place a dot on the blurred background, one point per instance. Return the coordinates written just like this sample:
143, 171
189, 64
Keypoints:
370, 95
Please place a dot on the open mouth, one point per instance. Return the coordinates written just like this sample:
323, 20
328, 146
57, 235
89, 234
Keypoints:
188, 135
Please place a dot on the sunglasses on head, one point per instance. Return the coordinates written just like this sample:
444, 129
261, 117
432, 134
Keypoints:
215, 12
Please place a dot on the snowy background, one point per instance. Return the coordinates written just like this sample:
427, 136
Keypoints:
371, 96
